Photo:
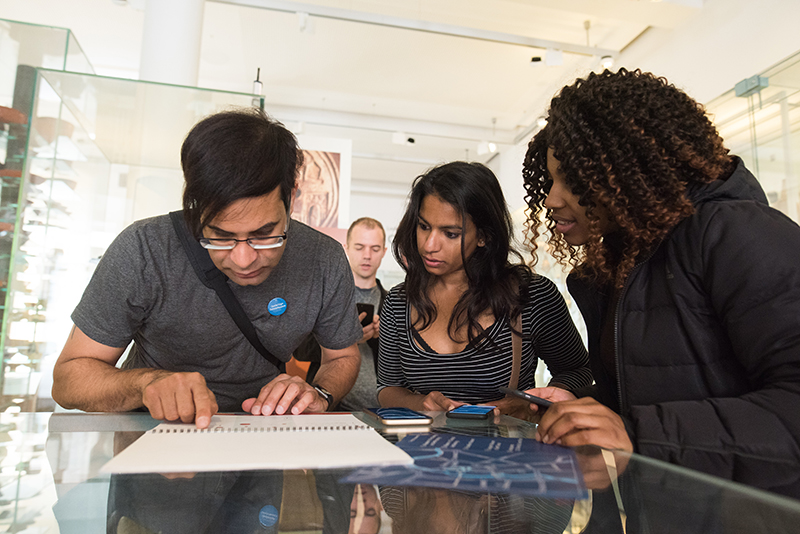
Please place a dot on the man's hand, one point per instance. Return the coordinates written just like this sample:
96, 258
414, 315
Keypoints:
85, 377
283, 393
371, 330
583, 422
184, 396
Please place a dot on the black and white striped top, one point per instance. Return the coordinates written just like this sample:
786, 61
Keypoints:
475, 374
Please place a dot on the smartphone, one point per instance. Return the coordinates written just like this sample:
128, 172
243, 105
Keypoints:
538, 401
398, 416
364, 307
471, 411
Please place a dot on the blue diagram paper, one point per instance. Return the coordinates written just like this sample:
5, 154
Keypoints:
482, 464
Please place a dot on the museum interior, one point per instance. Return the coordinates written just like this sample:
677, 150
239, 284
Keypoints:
96, 97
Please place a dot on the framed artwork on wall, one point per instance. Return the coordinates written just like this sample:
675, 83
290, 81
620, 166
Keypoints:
323, 183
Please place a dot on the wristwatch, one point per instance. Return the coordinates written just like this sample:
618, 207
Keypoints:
325, 394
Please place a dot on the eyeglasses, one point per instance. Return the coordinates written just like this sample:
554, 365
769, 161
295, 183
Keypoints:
258, 243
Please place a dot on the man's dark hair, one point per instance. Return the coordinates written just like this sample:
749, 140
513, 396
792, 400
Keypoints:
232, 155
631, 143
474, 192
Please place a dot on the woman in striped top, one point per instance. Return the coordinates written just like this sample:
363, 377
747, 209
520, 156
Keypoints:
446, 332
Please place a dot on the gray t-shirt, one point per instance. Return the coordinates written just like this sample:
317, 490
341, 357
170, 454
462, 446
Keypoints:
364, 393
144, 289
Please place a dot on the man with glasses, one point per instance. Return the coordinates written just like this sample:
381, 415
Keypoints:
189, 359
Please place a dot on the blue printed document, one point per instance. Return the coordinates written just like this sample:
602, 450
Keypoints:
481, 464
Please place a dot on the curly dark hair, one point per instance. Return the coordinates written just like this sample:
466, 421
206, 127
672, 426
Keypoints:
494, 281
629, 143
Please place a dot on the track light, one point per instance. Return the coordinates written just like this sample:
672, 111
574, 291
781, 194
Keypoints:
554, 57
485, 147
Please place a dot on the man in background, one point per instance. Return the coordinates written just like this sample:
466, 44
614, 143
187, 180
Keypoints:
365, 248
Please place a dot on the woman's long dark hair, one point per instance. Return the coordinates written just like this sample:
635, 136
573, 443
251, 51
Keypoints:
632, 144
494, 282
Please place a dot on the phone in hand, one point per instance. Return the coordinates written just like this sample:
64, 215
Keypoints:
471, 411
398, 416
533, 399
364, 307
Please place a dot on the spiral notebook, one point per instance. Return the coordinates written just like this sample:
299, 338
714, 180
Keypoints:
246, 442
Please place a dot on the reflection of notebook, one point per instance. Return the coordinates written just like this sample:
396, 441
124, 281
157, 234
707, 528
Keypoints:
246, 442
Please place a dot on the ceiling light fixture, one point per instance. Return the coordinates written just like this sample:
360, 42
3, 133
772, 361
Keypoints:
541, 122
554, 57
607, 62
401, 138
485, 147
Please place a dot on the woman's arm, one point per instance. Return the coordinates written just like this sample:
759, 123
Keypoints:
556, 339
401, 397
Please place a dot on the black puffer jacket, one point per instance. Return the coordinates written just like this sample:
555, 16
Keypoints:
707, 336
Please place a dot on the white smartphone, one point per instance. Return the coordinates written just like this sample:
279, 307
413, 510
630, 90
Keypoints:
398, 416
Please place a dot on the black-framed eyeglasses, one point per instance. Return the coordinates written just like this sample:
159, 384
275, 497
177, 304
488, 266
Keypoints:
258, 243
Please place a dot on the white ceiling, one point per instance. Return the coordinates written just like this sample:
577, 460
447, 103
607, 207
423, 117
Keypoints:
375, 70
339, 77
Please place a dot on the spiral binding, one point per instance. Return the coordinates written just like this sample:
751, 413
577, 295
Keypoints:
253, 430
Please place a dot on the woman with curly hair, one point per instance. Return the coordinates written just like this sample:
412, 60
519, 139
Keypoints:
447, 332
689, 283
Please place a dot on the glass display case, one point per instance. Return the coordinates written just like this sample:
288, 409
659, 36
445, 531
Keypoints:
759, 120
23, 48
83, 156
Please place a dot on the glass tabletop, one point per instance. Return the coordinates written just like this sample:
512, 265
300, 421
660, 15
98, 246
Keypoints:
51, 482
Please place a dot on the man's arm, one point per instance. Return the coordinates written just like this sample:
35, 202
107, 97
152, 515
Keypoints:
291, 394
85, 378
338, 371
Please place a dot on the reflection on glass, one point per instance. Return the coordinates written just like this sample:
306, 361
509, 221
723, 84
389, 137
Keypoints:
365, 510
763, 127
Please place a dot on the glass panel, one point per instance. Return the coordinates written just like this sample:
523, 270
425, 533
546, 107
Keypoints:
76, 60
50, 475
101, 153
764, 129
24, 264
37, 46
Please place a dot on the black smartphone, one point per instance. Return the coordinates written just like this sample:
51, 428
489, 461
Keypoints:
471, 411
398, 416
533, 399
364, 307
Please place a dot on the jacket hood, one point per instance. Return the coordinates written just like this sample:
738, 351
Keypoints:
741, 185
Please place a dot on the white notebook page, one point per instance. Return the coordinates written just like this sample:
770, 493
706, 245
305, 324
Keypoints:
246, 442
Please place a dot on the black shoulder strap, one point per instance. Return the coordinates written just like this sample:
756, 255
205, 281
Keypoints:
213, 278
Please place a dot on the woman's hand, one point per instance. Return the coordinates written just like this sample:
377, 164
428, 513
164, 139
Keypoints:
600, 467
515, 407
435, 401
583, 422
553, 394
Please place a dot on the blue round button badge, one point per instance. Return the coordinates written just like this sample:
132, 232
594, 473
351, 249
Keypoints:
268, 516
276, 306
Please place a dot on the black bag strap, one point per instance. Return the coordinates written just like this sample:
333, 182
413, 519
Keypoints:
214, 279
